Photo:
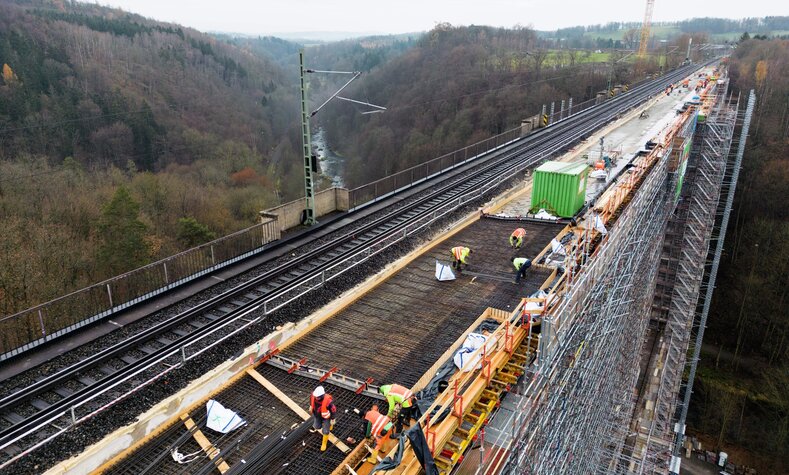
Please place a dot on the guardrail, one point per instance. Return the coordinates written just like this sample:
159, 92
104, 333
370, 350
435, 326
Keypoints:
37, 325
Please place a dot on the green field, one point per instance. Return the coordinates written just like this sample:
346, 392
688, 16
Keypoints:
668, 32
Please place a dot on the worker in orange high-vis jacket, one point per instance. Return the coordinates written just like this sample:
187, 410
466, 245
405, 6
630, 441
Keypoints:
323, 413
379, 427
460, 254
516, 238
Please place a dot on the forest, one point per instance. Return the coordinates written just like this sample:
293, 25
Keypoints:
124, 140
106, 114
741, 394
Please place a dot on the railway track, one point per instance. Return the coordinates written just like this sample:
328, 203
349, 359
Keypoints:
40, 412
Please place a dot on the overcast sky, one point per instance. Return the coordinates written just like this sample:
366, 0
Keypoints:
267, 17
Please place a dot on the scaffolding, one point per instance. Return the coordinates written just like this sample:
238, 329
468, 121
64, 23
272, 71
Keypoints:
575, 413
603, 395
684, 261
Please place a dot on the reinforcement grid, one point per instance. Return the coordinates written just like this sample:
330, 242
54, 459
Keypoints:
266, 416
395, 332
264, 413
306, 457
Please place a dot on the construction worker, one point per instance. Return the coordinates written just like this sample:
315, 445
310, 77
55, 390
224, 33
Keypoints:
516, 238
323, 413
398, 397
460, 254
521, 264
379, 427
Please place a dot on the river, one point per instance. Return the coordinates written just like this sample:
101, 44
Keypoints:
331, 163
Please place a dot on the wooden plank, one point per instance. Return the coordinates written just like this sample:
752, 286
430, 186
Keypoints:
292, 405
205, 444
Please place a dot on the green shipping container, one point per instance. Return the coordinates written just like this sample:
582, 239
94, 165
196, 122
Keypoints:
559, 188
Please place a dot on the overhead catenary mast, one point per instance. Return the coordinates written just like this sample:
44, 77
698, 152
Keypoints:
310, 161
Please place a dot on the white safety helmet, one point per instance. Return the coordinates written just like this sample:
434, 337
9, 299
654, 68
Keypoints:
319, 391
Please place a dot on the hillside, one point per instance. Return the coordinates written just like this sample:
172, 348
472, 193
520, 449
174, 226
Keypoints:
110, 78
457, 86
93, 100
627, 34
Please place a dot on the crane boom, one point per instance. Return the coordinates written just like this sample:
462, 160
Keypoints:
645, 27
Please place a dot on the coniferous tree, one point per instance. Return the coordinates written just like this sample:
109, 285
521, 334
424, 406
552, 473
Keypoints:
122, 235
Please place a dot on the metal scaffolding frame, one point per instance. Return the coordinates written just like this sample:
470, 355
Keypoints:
604, 393
682, 270
575, 414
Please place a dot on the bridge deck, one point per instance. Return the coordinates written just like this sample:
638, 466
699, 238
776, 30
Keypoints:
394, 333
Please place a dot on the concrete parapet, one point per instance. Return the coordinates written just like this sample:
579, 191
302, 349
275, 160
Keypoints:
326, 201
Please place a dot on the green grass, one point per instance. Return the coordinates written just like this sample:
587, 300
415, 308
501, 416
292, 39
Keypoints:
666, 32
659, 32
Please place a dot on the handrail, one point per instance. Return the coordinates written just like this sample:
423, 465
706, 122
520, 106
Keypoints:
34, 326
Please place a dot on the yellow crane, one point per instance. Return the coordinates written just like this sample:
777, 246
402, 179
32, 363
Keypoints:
642, 45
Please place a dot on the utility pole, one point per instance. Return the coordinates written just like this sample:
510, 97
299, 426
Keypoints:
602, 147
309, 186
310, 164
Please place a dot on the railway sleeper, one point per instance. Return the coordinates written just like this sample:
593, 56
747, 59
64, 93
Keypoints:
12, 450
13, 417
274, 285
146, 349
128, 359
63, 391
86, 380
108, 370
39, 404
264, 289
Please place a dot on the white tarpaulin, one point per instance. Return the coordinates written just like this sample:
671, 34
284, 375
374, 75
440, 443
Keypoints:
444, 272
599, 226
542, 214
222, 419
463, 359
